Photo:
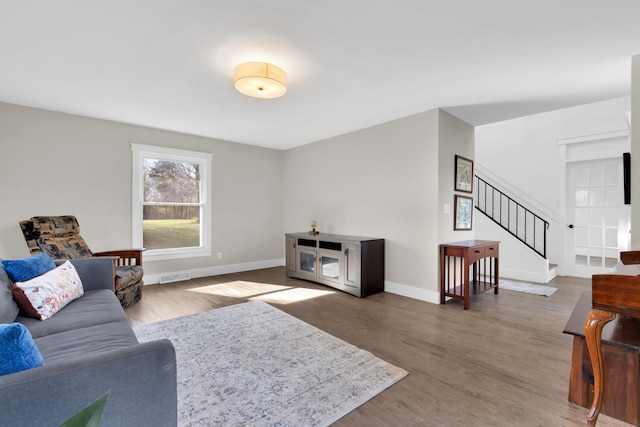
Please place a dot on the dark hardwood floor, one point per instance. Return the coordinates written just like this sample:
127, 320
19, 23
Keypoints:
504, 362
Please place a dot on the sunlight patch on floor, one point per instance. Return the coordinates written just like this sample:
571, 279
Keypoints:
292, 295
261, 291
239, 289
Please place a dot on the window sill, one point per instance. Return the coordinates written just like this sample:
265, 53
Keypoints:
164, 254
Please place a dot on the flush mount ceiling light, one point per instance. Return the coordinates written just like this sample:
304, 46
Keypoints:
260, 80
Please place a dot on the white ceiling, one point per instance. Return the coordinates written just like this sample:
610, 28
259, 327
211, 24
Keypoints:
351, 64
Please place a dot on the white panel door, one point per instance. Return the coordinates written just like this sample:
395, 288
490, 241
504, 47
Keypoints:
598, 219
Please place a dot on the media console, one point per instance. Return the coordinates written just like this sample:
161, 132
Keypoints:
348, 263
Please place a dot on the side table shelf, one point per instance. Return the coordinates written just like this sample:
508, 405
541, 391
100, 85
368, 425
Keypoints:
468, 268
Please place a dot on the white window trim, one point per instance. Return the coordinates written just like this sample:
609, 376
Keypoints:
139, 153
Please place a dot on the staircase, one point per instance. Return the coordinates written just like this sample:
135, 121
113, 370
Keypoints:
522, 225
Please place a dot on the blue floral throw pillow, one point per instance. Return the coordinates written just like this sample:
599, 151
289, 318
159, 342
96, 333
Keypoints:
8, 306
18, 351
21, 270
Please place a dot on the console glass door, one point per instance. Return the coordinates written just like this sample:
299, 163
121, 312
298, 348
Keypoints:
330, 267
307, 262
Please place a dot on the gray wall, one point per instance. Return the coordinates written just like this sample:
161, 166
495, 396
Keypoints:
454, 137
385, 181
55, 163
388, 181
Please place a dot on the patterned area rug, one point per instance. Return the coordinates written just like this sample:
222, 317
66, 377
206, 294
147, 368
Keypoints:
528, 288
252, 364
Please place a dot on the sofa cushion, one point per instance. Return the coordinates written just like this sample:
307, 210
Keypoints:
94, 308
43, 296
18, 351
87, 341
8, 306
20, 270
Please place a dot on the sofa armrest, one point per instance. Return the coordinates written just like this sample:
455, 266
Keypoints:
95, 273
141, 380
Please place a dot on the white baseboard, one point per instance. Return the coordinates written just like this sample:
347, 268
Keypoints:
152, 279
412, 292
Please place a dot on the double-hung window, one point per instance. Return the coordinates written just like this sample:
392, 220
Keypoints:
171, 202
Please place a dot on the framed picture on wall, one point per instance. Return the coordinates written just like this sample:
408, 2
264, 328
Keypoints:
462, 213
464, 174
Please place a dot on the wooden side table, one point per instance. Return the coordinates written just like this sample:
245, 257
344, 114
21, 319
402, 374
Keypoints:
468, 268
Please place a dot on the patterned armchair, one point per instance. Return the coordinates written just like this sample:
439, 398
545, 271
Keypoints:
59, 237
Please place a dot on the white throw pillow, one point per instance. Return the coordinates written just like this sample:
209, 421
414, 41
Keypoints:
43, 296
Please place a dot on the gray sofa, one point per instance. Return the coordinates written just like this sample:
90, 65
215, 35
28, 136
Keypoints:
88, 349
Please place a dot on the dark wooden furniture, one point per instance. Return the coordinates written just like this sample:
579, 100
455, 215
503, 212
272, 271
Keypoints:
620, 343
468, 268
612, 294
349, 263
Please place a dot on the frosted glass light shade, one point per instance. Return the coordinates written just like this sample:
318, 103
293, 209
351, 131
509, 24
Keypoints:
260, 80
